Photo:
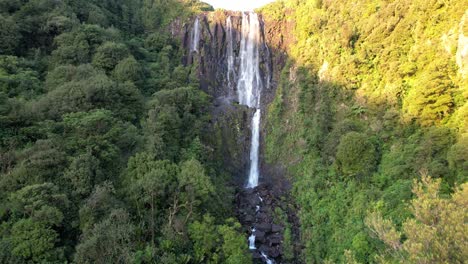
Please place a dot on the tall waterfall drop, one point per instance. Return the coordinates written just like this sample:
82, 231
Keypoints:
230, 52
249, 85
195, 35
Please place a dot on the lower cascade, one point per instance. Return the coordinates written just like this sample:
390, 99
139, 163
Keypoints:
252, 240
253, 173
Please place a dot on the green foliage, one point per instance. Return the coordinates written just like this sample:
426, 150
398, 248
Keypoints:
98, 205
436, 234
458, 158
9, 33
17, 78
78, 46
93, 91
234, 248
108, 241
34, 241
77, 80
128, 69
364, 92
356, 154
206, 239
41, 202
174, 120
434, 101
108, 55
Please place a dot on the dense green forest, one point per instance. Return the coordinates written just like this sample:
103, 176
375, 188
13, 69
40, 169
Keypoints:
102, 128
370, 122
100, 159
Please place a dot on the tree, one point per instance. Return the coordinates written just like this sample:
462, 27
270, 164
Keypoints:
128, 69
431, 100
84, 172
44, 161
17, 78
90, 91
195, 186
95, 141
34, 241
109, 54
436, 234
193, 180
9, 34
234, 246
205, 237
42, 202
356, 154
78, 46
174, 120
98, 206
458, 158
111, 240
151, 184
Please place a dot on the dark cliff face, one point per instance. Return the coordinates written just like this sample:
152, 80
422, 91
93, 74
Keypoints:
230, 130
211, 57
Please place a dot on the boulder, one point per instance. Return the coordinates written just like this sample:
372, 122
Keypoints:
264, 248
276, 228
274, 239
248, 219
265, 227
259, 236
274, 252
262, 217
256, 255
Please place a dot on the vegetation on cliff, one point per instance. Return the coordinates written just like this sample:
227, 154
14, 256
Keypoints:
371, 99
108, 149
100, 153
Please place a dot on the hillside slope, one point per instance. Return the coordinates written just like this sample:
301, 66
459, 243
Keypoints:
373, 97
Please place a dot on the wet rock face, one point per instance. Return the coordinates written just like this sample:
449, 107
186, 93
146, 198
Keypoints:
211, 57
229, 134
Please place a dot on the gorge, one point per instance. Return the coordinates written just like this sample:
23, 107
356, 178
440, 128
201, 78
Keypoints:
168, 131
243, 82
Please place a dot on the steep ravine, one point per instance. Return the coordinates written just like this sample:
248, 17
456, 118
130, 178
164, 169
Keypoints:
238, 64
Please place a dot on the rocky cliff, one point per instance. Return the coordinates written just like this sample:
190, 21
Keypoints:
212, 44
230, 133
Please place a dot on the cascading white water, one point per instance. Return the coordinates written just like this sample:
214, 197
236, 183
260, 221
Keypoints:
195, 35
253, 173
267, 260
249, 85
230, 52
252, 240
249, 88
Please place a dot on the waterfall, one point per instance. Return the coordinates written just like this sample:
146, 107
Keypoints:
230, 52
195, 35
253, 173
249, 88
249, 85
267, 260
252, 240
